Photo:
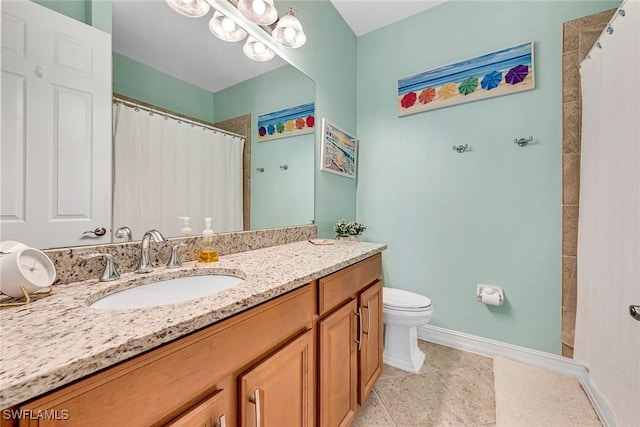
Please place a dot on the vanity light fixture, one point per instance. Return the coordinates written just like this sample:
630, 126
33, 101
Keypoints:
261, 12
289, 31
225, 28
190, 8
256, 50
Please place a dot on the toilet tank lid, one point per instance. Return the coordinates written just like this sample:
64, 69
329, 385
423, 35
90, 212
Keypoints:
392, 297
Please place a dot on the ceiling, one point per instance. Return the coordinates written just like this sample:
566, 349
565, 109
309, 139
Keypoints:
364, 16
153, 34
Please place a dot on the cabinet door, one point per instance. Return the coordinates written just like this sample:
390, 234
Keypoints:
208, 413
279, 391
370, 356
337, 365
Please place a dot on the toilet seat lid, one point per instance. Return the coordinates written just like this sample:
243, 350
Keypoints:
401, 299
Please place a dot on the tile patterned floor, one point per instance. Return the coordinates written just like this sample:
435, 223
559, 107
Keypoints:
453, 388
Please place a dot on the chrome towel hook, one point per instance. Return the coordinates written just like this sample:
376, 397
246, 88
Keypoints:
523, 141
461, 148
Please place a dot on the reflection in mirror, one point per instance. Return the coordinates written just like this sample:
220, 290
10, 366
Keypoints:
174, 67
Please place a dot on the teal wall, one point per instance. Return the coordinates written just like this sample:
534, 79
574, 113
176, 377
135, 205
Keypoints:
138, 81
76, 9
491, 215
278, 198
95, 13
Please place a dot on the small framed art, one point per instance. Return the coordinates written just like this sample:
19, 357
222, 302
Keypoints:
339, 151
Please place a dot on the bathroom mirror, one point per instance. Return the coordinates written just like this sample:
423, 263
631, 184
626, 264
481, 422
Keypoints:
281, 170
282, 194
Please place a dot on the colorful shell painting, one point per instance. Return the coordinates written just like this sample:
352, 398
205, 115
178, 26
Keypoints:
292, 121
502, 72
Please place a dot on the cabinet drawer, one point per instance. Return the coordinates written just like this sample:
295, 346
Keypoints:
155, 387
346, 283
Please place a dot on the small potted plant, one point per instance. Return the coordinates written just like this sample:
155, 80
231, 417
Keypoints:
342, 230
349, 230
355, 230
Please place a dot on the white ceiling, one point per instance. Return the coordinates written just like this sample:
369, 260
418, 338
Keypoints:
364, 16
153, 34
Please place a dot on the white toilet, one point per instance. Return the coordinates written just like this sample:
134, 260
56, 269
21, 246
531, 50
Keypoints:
402, 312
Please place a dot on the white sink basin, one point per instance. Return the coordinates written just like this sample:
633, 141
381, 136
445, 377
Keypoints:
167, 292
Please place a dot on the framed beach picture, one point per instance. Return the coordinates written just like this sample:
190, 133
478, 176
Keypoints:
339, 150
292, 121
502, 72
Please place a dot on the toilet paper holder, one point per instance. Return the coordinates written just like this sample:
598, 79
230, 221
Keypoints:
489, 292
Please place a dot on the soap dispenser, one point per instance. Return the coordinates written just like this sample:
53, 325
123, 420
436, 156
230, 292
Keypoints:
207, 253
186, 229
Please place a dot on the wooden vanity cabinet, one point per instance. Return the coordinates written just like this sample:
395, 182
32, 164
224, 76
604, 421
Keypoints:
180, 380
349, 340
306, 358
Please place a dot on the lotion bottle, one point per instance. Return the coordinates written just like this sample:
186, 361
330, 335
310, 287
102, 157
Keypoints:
186, 229
207, 253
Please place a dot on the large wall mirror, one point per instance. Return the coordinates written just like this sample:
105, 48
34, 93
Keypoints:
173, 62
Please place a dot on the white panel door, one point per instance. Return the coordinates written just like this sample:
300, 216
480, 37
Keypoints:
56, 133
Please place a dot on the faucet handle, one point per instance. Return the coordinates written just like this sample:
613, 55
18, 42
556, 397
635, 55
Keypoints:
174, 261
124, 233
110, 272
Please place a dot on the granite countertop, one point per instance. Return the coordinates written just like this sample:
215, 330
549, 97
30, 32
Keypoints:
58, 338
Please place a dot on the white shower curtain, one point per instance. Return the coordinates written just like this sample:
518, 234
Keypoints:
607, 337
165, 169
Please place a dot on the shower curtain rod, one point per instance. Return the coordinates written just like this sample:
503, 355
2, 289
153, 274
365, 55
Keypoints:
608, 29
134, 103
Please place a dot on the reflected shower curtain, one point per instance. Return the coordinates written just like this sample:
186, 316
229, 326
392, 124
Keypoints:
607, 337
165, 169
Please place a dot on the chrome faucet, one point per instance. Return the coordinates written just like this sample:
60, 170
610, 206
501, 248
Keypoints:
145, 265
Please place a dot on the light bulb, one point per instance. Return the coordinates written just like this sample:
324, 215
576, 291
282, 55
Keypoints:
289, 33
258, 7
228, 25
259, 48
190, 8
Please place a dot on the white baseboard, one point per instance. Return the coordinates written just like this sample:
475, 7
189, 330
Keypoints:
552, 362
